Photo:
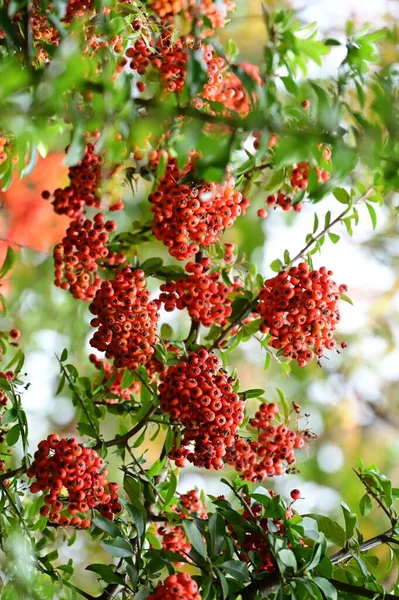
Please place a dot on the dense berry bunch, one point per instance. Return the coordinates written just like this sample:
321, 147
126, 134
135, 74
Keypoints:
77, 8
81, 252
190, 503
9, 376
82, 190
112, 381
205, 296
299, 309
190, 214
126, 319
216, 12
169, 57
199, 395
273, 450
176, 587
65, 464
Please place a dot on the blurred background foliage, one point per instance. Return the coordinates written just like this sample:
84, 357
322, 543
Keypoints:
352, 399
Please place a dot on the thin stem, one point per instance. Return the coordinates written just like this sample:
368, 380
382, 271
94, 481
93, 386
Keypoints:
9, 474
316, 238
121, 440
194, 333
376, 498
236, 323
81, 402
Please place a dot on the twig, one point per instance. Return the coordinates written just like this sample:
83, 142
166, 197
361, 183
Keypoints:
376, 498
194, 333
9, 474
81, 402
121, 440
317, 237
225, 332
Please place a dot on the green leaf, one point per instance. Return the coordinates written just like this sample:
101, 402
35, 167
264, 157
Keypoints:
287, 558
151, 265
276, 266
350, 520
127, 379
172, 486
8, 263
13, 435
284, 403
334, 237
106, 525
195, 537
331, 529
346, 298
373, 214
117, 547
236, 569
326, 587
217, 532
365, 505
224, 584
106, 573
77, 146
341, 195
255, 393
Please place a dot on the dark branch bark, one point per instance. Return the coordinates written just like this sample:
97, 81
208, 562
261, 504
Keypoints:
361, 591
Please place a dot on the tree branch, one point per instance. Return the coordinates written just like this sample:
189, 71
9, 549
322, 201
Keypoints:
14, 472
236, 323
348, 553
361, 591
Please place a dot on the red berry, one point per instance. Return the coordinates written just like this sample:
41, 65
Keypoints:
295, 494
262, 213
15, 334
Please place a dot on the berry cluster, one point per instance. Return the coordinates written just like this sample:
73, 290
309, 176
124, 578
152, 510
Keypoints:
299, 309
9, 376
205, 296
187, 215
284, 201
176, 587
168, 57
81, 252
190, 503
224, 87
64, 463
3, 470
112, 381
82, 190
199, 395
126, 319
215, 12
273, 449
3, 145
300, 174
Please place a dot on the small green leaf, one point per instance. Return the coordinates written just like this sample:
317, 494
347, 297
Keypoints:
107, 573
341, 195
195, 537
334, 237
13, 435
373, 214
326, 587
287, 558
106, 525
8, 262
117, 547
346, 298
